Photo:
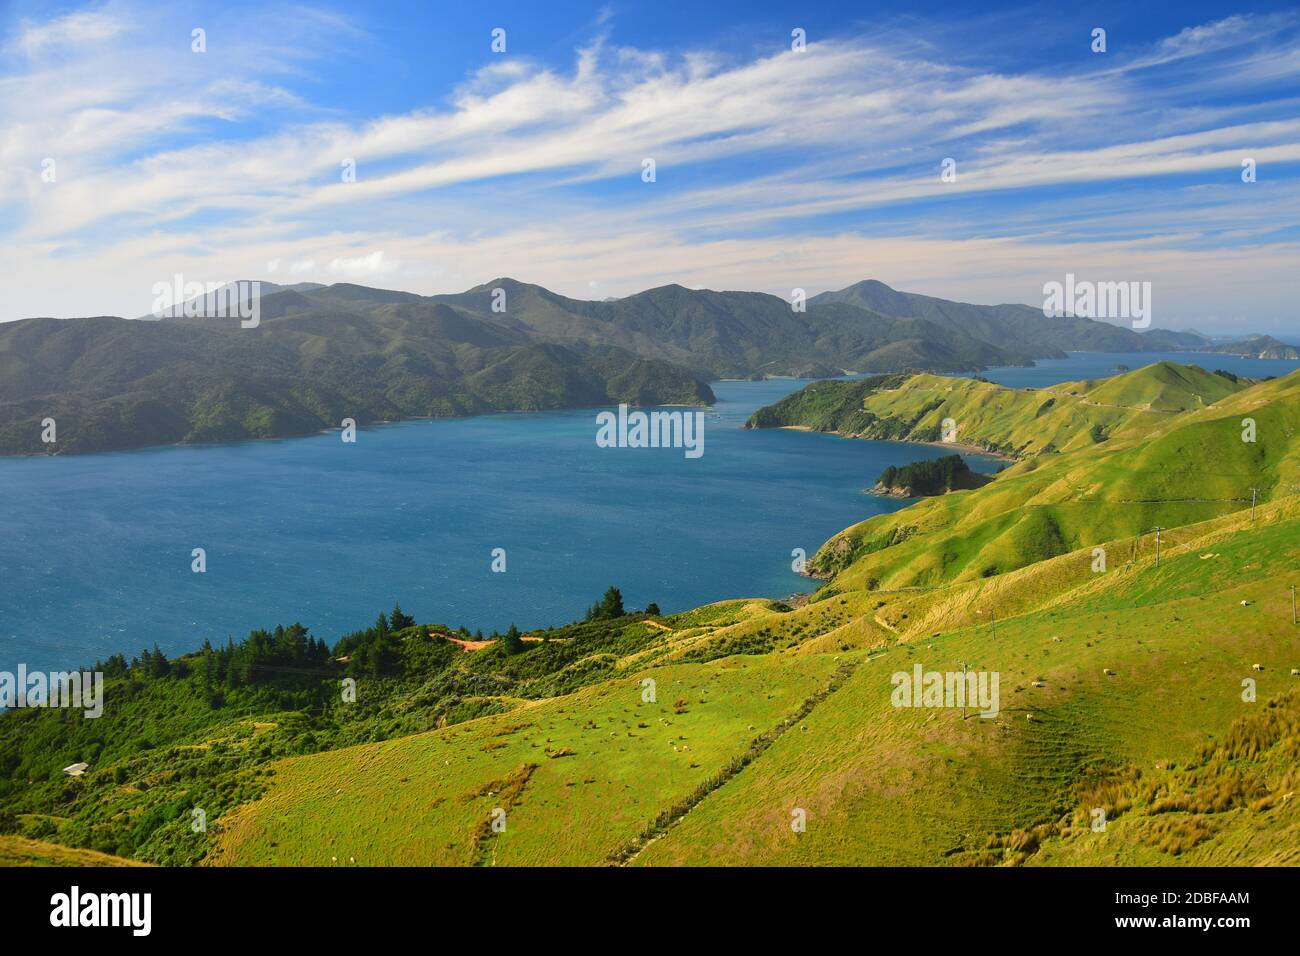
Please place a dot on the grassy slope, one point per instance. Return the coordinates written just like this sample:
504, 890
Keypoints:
1064, 417
1023, 422
20, 851
887, 786
627, 761
1181, 468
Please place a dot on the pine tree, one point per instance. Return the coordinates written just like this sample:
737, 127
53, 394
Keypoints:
512, 642
612, 604
401, 620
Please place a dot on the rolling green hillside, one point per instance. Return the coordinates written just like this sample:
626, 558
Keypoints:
20, 851
1157, 466
1012, 421
1139, 669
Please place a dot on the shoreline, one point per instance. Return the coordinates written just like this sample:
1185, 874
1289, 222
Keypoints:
333, 429
955, 445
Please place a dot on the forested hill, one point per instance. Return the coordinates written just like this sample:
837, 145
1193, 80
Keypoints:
319, 354
114, 383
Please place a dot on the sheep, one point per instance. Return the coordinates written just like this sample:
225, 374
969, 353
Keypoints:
1258, 667
1108, 672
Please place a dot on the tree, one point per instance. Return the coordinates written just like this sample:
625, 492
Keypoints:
611, 605
158, 665
652, 609
512, 643
401, 620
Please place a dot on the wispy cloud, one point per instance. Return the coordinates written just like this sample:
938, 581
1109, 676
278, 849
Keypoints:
821, 166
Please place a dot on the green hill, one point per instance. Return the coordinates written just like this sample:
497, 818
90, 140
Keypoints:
20, 851
112, 383
1012, 421
1158, 466
1255, 346
738, 334
1099, 676
1017, 327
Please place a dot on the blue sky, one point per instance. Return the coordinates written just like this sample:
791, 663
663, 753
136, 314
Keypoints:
127, 157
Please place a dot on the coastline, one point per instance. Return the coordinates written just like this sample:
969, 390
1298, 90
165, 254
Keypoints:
955, 445
332, 429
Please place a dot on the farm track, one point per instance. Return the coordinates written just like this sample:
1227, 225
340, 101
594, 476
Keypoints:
669, 818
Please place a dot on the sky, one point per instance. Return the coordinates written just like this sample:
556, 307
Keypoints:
127, 156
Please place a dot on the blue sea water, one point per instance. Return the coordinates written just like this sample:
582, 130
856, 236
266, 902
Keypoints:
95, 554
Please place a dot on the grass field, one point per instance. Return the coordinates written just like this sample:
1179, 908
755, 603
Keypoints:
577, 776
20, 851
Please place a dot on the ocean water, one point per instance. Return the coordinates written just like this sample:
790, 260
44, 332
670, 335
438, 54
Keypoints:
95, 554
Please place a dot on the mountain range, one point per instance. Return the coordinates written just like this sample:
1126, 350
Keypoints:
320, 354
1255, 346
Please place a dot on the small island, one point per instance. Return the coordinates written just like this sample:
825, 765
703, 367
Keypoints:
935, 476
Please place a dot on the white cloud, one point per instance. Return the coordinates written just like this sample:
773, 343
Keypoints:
527, 167
83, 28
373, 265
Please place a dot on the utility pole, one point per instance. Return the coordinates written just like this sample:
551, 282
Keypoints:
1293, 620
1253, 493
1157, 530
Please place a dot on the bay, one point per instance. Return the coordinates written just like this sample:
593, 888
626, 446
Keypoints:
95, 555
